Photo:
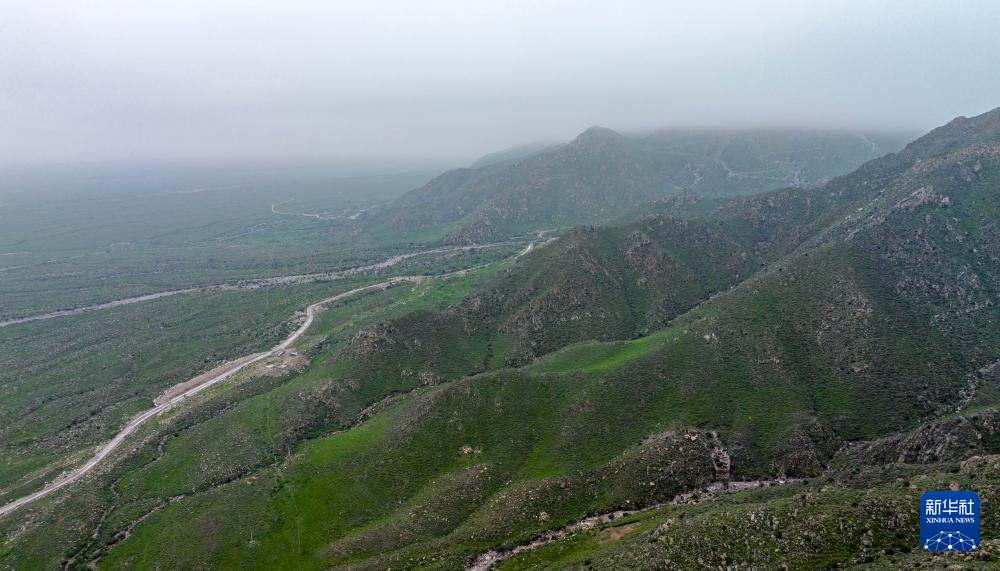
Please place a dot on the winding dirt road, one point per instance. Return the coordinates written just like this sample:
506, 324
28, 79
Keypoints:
223, 372
216, 376
255, 283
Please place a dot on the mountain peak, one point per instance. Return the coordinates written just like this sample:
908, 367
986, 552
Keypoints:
598, 136
959, 132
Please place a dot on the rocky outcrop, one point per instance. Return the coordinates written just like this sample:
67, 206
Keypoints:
946, 440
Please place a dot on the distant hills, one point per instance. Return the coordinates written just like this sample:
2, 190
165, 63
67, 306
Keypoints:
602, 175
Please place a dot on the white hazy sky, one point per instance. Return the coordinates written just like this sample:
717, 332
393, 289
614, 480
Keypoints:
110, 80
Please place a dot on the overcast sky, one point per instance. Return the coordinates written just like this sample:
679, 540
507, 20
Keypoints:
108, 80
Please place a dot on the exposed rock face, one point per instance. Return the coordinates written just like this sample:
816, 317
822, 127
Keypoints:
970, 464
720, 459
921, 196
949, 440
369, 340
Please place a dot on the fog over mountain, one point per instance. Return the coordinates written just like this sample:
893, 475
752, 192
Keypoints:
450, 81
499, 285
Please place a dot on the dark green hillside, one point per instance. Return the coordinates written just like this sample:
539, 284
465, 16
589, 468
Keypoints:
621, 282
592, 283
608, 283
860, 520
877, 322
602, 175
860, 513
805, 333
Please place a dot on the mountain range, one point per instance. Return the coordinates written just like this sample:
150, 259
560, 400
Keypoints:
738, 378
602, 175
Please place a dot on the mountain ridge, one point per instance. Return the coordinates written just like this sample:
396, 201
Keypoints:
803, 334
602, 174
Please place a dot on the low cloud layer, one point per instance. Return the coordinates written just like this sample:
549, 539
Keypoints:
119, 80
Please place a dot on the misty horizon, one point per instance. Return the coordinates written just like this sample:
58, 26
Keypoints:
499, 285
444, 83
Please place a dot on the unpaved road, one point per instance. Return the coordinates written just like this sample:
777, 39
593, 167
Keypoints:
108, 305
488, 559
219, 374
317, 216
205, 381
255, 283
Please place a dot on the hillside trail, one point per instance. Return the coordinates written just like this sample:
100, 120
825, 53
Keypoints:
200, 383
487, 559
204, 381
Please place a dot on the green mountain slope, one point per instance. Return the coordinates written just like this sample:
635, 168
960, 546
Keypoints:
855, 520
601, 175
804, 333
